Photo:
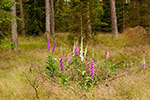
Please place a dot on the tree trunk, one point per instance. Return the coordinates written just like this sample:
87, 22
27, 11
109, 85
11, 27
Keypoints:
66, 4
81, 26
63, 6
52, 17
149, 12
58, 5
123, 13
138, 12
22, 17
113, 18
89, 21
98, 2
14, 26
47, 10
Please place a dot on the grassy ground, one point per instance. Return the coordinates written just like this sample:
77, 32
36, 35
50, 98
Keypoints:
133, 85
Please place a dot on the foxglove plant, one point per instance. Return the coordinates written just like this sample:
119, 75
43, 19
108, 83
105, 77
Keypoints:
113, 60
76, 51
48, 45
92, 68
143, 63
69, 58
62, 68
81, 51
107, 54
54, 46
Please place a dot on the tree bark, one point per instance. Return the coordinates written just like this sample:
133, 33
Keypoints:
123, 13
58, 5
113, 18
52, 17
149, 12
98, 2
22, 17
63, 6
14, 26
47, 10
89, 20
66, 4
138, 12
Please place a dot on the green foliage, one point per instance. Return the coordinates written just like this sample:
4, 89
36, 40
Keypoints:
35, 19
64, 78
6, 4
54, 72
110, 67
75, 71
5, 15
52, 67
7, 44
85, 12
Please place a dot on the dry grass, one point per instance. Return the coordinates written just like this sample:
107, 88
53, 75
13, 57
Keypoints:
135, 85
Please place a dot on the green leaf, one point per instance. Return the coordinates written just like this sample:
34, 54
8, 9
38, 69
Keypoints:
83, 72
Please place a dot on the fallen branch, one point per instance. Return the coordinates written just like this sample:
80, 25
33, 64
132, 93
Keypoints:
124, 61
33, 85
117, 76
46, 76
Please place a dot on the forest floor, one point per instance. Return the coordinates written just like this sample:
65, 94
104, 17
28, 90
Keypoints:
134, 84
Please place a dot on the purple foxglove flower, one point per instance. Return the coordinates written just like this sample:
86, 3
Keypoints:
107, 54
53, 49
92, 68
62, 68
69, 58
48, 45
143, 63
76, 51
55, 59
113, 60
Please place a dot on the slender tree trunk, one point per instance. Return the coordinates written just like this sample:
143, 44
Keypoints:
123, 13
149, 12
52, 17
81, 26
63, 9
127, 1
14, 26
63, 6
113, 18
66, 4
58, 5
102, 2
89, 20
98, 2
22, 17
47, 10
138, 12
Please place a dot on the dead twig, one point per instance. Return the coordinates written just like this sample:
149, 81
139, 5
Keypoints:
40, 73
33, 85
117, 76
